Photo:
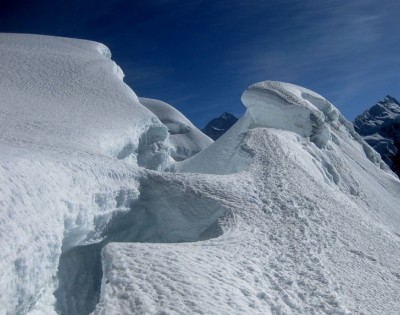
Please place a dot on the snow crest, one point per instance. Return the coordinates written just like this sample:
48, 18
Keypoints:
289, 107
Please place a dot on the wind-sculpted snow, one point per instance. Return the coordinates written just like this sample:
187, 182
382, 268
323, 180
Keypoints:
51, 86
185, 139
291, 214
75, 146
299, 241
285, 106
308, 224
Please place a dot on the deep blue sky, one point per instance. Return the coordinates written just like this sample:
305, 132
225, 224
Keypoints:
199, 56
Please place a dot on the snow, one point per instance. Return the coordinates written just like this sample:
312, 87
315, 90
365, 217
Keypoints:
289, 212
226, 155
65, 120
284, 106
185, 139
308, 230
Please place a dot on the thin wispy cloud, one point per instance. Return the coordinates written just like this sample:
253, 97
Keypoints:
335, 47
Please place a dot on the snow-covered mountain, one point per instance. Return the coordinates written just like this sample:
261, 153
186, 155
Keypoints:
289, 212
218, 126
380, 127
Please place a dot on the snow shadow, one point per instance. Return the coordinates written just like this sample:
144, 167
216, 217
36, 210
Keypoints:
166, 211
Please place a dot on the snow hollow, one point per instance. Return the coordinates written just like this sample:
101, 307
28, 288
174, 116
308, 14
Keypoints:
114, 204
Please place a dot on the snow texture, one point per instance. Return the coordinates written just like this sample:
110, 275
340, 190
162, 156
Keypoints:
289, 212
71, 139
185, 139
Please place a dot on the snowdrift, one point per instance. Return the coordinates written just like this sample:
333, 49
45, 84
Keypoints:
289, 212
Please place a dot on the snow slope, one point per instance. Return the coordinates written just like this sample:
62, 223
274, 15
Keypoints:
289, 212
311, 224
185, 139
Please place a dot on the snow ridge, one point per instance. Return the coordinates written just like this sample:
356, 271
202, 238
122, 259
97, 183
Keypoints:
285, 106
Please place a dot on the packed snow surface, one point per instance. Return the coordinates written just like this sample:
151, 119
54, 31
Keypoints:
289, 212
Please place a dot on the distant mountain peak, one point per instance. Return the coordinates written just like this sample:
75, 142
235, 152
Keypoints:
380, 127
227, 116
389, 98
218, 126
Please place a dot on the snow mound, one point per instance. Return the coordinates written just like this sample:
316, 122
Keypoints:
72, 139
289, 107
185, 139
51, 86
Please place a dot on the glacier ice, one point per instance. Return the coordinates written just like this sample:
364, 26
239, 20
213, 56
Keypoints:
289, 212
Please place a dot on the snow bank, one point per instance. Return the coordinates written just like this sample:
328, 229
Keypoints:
185, 139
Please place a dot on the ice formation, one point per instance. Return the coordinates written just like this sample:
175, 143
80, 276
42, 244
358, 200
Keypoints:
289, 212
